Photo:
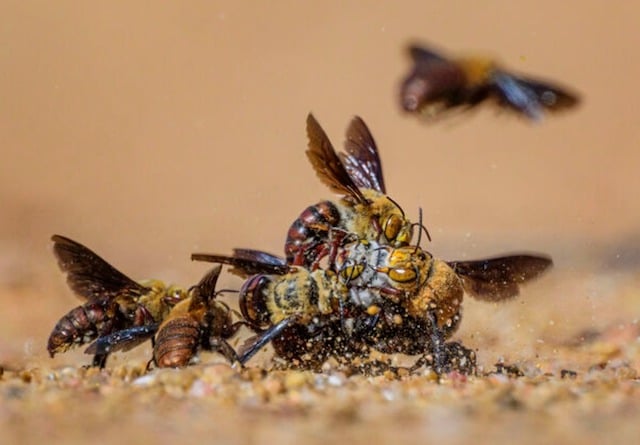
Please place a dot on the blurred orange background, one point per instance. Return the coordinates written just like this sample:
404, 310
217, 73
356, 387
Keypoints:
150, 130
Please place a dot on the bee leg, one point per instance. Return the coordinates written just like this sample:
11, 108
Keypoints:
254, 344
436, 359
221, 346
99, 360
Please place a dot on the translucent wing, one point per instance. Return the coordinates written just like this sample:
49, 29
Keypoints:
245, 265
361, 159
88, 275
327, 163
496, 279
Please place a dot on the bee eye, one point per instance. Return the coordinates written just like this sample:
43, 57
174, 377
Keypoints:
391, 227
351, 272
402, 275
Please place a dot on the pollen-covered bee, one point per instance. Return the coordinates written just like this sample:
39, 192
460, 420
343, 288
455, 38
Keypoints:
437, 84
114, 301
365, 210
200, 321
420, 297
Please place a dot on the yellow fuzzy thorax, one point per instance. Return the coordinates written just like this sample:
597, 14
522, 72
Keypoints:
477, 70
161, 299
379, 208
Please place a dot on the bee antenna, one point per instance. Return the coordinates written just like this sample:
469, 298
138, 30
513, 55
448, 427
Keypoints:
423, 228
397, 205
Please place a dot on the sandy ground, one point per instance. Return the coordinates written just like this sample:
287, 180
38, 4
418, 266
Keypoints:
151, 131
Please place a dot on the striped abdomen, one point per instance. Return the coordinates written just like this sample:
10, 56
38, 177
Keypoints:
309, 232
79, 326
176, 342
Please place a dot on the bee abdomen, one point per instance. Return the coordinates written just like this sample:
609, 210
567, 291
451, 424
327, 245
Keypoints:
176, 342
79, 326
311, 227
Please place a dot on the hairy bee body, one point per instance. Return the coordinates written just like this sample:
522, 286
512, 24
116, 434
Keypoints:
199, 321
268, 299
114, 301
364, 211
192, 326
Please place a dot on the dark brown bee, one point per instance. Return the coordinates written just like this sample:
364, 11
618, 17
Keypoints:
200, 321
365, 210
114, 301
437, 84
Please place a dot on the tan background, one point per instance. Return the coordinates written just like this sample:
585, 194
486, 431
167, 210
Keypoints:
151, 130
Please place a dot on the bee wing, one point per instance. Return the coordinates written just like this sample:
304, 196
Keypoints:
253, 344
529, 96
361, 159
420, 54
496, 279
123, 340
259, 255
88, 275
327, 163
243, 266
206, 288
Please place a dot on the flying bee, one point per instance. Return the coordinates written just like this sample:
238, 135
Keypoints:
437, 84
113, 300
365, 210
199, 321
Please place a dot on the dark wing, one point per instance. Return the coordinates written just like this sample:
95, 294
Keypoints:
122, 340
434, 84
259, 255
206, 288
242, 266
531, 97
361, 159
327, 164
420, 54
496, 279
90, 276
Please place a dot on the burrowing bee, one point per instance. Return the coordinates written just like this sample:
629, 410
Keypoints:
400, 300
365, 210
200, 321
114, 301
437, 84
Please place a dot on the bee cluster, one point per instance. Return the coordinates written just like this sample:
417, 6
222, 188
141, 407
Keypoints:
352, 280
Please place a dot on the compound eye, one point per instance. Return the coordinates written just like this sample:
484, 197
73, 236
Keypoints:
402, 275
392, 226
351, 272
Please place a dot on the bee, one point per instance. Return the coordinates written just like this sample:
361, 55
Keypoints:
199, 321
437, 84
302, 313
420, 299
365, 210
113, 300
